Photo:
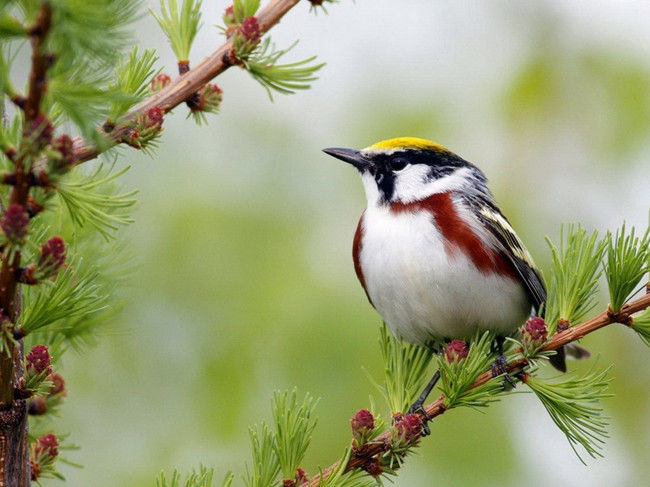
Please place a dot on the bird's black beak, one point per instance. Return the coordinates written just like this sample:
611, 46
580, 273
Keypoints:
351, 156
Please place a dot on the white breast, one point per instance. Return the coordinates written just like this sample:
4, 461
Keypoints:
425, 294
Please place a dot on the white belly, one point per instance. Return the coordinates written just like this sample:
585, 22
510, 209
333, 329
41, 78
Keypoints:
425, 294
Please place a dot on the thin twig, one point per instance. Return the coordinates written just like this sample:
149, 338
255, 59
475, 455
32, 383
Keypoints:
381, 444
183, 87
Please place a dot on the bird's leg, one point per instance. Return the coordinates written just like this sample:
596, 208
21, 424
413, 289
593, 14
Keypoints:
500, 363
418, 405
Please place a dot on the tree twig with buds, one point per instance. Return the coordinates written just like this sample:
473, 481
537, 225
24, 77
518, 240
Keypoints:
381, 443
184, 87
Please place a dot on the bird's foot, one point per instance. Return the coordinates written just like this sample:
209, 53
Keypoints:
499, 368
418, 408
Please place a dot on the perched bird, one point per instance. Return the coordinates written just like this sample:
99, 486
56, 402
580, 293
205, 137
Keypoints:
433, 252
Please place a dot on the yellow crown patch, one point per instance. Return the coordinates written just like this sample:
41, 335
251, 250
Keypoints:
406, 143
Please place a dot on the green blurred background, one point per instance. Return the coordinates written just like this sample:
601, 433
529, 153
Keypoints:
242, 280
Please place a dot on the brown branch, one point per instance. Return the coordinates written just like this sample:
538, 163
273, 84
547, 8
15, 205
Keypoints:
381, 444
14, 454
183, 87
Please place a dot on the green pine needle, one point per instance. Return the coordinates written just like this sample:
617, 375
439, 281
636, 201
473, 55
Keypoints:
244, 8
283, 78
574, 277
405, 371
457, 377
641, 325
625, 263
573, 404
132, 79
294, 424
354, 478
73, 294
202, 478
11, 27
266, 465
180, 26
93, 199
91, 33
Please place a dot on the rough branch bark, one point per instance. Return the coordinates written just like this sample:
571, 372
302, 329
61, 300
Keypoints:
185, 86
382, 442
14, 442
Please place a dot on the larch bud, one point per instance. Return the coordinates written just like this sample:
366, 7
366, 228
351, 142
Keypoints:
52, 255
39, 360
58, 385
211, 96
250, 30
456, 351
65, 147
535, 331
160, 81
15, 224
362, 423
229, 16
47, 445
409, 428
39, 131
154, 117
37, 406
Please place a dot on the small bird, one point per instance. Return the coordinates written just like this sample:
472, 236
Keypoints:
433, 252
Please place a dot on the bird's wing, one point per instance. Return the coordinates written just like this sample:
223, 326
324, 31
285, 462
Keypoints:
508, 243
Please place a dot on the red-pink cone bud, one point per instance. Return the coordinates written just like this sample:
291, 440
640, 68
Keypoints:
373, 467
301, 476
58, 385
456, 351
15, 224
154, 117
211, 96
409, 428
37, 406
39, 131
362, 423
250, 30
229, 16
64, 146
52, 255
47, 445
39, 360
160, 81
535, 331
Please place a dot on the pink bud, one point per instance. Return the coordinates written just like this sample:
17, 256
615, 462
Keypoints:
39, 360
15, 223
456, 351
39, 130
58, 385
48, 445
64, 146
535, 331
409, 428
160, 81
362, 423
154, 117
250, 30
229, 16
52, 254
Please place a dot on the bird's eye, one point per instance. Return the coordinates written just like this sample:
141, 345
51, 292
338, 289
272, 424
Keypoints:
398, 163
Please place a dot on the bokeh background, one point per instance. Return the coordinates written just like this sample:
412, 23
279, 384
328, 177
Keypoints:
241, 277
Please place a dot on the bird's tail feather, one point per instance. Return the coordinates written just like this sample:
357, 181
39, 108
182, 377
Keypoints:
572, 350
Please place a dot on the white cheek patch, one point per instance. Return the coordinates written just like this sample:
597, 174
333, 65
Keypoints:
411, 183
372, 192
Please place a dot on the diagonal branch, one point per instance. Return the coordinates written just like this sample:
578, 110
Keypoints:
381, 444
185, 86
